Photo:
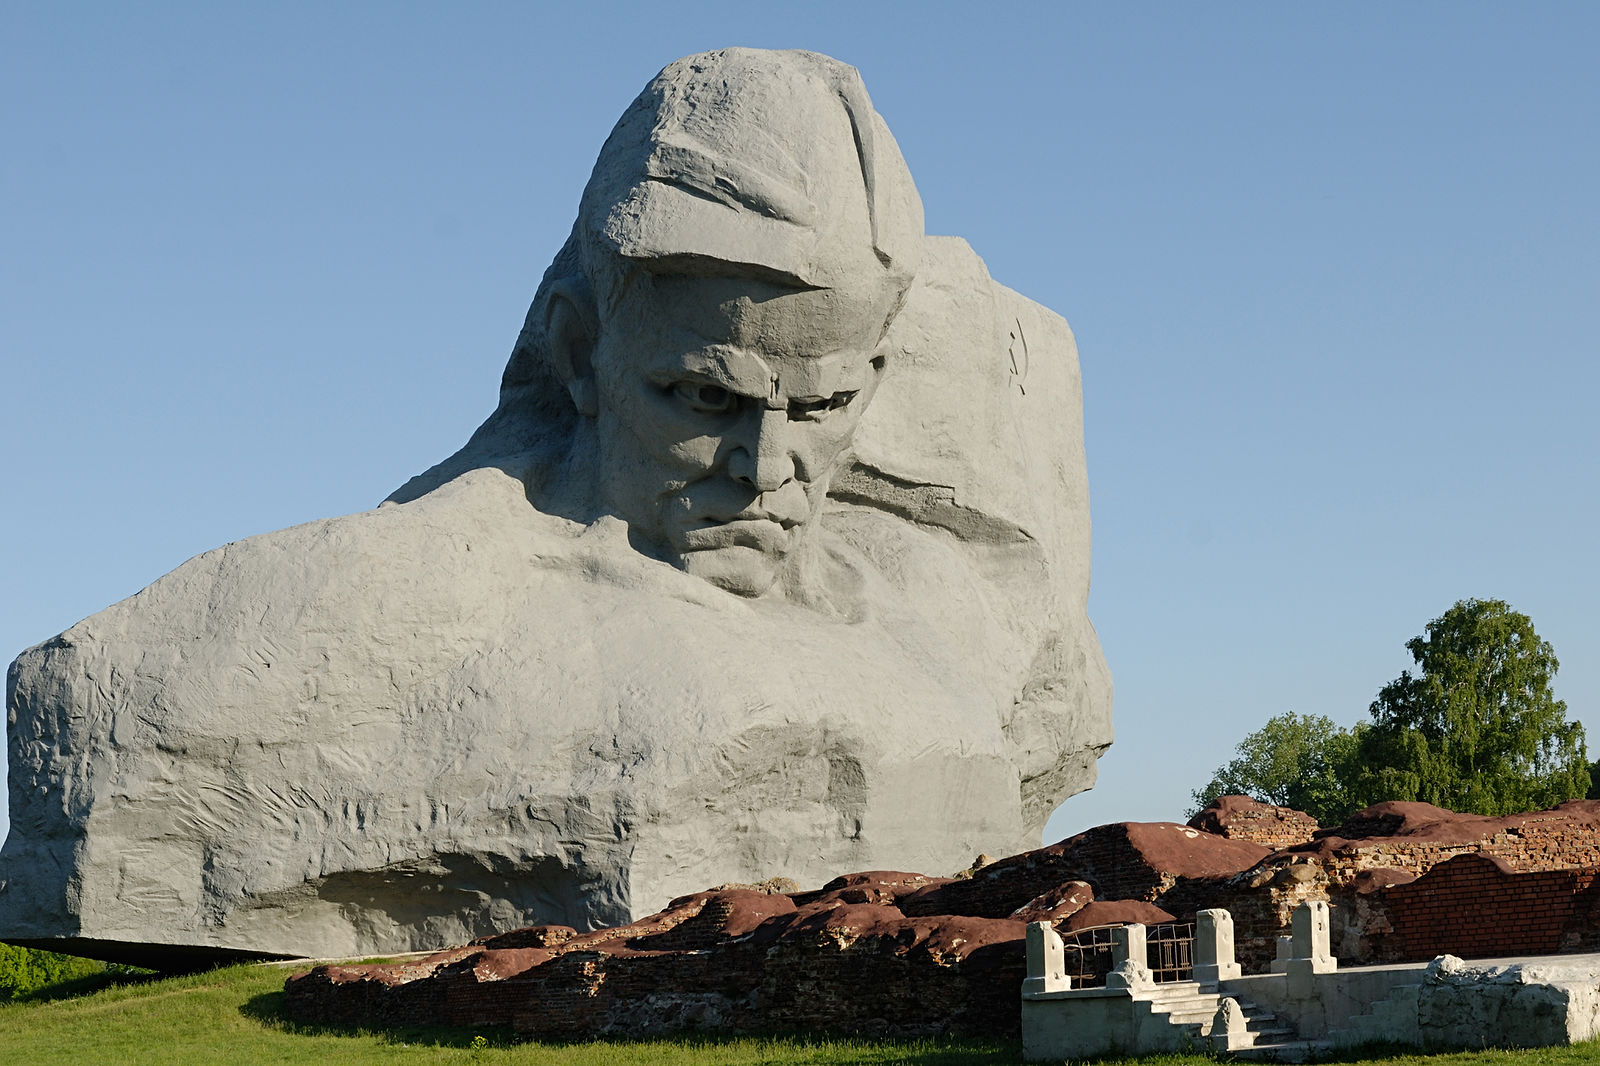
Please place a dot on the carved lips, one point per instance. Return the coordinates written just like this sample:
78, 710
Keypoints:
766, 535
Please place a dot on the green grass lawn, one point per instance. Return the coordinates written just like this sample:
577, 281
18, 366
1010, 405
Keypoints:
234, 1017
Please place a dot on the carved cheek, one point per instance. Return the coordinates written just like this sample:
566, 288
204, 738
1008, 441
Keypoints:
696, 454
661, 430
820, 446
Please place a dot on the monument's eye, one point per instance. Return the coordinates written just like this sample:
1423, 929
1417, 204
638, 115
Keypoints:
706, 398
812, 410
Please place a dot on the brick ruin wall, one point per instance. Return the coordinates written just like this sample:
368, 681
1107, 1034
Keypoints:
1259, 823
1261, 912
1476, 906
905, 954
1526, 886
1537, 843
873, 980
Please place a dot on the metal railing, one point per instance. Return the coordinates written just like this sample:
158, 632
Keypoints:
1088, 954
1169, 949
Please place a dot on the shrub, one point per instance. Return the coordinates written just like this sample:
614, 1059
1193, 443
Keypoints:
24, 970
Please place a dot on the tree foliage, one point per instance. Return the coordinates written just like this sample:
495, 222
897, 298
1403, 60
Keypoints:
1301, 761
1477, 729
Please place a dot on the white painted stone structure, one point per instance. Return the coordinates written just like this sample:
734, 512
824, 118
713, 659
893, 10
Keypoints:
1213, 947
1129, 953
1317, 1005
1046, 965
1229, 1027
1310, 950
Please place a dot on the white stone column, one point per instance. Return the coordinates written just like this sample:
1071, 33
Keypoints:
1213, 947
1129, 957
1046, 965
1310, 952
1283, 951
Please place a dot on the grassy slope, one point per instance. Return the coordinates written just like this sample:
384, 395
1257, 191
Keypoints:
233, 1017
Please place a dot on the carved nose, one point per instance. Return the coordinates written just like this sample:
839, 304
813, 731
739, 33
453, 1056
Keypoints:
765, 463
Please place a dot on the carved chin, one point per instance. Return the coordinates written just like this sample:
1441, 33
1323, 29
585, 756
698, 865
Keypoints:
741, 571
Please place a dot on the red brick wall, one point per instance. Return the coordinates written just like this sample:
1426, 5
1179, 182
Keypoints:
1479, 906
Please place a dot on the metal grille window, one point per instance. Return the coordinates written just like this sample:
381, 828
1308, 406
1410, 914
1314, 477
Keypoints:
1169, 953
1086, 954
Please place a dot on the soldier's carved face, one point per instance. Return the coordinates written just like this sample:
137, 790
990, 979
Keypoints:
723, 409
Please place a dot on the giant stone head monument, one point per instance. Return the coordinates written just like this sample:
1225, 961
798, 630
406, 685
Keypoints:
772, 560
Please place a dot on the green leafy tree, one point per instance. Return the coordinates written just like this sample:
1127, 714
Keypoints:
1296, 760
1477, 729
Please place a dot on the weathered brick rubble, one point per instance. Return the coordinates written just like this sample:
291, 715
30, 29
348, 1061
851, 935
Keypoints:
1415, 837
845, 958
1242, 818
885, 952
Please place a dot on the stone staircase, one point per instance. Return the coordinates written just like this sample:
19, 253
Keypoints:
1132, 1015
1384, 1022
1190, 1008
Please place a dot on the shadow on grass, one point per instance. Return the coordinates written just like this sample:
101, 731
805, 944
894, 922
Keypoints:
268, 1010
1383, 1050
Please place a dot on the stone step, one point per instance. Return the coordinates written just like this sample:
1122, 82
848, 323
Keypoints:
1192, 997
1262, 1028
1179, 991
1172, 1006
1380, 1021
1177, 994
1285, 1051
1190, 1017
1254, 1036
1183, 1004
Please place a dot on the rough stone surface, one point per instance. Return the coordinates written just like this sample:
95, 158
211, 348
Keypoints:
1116, 912
730, 961
683, 611
1543, 1004
1242, 818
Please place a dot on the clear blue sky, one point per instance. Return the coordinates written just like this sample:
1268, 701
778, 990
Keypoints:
1333, 270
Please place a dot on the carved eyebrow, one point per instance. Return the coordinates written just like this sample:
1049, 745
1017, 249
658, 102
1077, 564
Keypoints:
668, 377
747, 373
727, 359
